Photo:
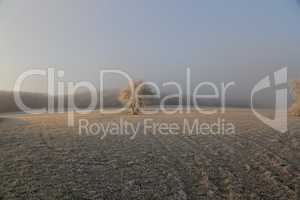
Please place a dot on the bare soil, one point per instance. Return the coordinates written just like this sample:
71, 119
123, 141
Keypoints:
45, 159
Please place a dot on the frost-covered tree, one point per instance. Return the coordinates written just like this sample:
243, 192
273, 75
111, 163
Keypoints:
295, 107
132, 96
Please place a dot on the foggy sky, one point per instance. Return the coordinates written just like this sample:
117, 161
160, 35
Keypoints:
220, 41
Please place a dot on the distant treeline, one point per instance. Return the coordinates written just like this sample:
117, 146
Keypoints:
38, 100
83, 99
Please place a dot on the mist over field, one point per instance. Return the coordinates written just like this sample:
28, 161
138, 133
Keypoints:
82, 100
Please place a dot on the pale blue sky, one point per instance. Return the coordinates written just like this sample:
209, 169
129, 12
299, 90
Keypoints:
240, 40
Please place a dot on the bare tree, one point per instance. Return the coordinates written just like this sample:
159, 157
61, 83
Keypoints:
295, 108
132, 95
